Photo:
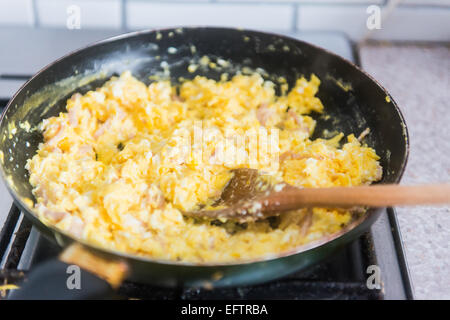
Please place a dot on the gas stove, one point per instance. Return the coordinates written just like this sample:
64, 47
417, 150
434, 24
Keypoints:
342, 276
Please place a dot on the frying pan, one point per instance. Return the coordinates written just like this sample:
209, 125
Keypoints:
353, 100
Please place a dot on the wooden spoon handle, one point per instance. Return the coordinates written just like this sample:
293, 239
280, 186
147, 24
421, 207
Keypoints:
373, 196
292, 198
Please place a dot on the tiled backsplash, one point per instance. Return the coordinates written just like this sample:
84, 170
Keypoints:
16, 12
410, 20
251, 15
93, 13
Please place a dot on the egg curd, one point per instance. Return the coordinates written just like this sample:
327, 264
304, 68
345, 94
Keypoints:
109, 169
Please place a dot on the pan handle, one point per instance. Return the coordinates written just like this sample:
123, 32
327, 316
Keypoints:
78, 273
57, 280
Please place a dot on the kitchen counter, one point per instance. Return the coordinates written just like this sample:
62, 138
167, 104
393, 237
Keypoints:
418, 78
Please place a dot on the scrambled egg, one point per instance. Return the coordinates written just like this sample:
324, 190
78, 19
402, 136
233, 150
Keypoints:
110, 171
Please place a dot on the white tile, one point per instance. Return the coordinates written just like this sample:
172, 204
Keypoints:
142, 14
94, 14
348, 19
424, 24
313, 1
16, 12
191, 1
405, 23
428, 2
331, 2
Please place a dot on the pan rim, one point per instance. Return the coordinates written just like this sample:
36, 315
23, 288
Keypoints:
265, 258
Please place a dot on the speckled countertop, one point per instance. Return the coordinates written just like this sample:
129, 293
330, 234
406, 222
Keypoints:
418, 78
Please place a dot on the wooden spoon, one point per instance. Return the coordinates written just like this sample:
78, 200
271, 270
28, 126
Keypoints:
248, 198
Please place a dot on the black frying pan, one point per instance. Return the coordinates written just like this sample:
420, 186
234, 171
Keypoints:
352, 98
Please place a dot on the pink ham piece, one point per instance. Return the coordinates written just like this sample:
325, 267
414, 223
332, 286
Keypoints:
76, 227
55, 216
105, 126
263, 113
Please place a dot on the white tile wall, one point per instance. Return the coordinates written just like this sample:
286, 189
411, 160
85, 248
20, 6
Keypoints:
428, 2
16, 12
348, 19
94, 13
412, 20
315, 1
143, 14
406, 23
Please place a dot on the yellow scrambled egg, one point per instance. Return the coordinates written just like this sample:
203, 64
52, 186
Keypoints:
123, 163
